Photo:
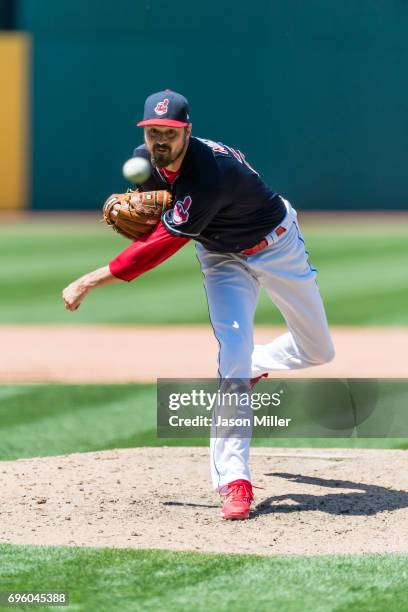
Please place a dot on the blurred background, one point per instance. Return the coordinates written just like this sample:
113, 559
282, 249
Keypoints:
315, 93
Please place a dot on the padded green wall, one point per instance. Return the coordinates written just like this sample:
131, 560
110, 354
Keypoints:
315, 92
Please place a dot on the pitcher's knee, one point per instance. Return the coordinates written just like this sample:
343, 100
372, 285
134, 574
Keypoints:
325, 354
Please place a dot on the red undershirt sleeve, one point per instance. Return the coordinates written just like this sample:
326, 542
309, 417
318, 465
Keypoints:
146, 253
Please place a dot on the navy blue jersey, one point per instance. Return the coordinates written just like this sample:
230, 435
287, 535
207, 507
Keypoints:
218, 198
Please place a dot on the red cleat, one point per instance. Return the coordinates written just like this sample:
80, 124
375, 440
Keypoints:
253, 381
238, 497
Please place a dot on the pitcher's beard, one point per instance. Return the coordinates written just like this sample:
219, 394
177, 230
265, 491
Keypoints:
161, 160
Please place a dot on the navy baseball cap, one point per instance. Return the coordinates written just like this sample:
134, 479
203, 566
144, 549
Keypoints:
166, 108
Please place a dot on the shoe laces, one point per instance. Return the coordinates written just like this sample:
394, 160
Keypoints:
239, 490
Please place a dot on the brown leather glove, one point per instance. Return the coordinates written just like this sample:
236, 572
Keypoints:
138, 211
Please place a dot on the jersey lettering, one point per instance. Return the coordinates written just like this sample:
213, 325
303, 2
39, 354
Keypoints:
235, 153
226, 150
215, 146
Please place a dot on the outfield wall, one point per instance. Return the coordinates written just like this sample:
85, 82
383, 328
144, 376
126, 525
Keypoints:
315, 93
15, 158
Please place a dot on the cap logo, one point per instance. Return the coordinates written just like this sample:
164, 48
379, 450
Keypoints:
162, 107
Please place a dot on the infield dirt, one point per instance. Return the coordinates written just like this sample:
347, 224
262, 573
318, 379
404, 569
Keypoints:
120, 354
313, 501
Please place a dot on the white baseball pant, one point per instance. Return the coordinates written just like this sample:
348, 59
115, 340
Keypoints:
232, 283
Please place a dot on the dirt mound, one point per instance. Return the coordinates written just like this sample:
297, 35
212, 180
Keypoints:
313, 501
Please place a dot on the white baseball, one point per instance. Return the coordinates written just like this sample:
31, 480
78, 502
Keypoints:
136, 170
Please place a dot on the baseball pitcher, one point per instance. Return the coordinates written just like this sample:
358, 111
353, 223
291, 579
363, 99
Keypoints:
247, 237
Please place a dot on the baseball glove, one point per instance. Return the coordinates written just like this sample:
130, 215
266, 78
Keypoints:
138, 212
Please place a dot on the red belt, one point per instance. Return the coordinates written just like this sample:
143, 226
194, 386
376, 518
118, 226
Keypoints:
263, 243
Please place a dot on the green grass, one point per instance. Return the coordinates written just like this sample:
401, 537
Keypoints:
362, 275
111, 580
41, 420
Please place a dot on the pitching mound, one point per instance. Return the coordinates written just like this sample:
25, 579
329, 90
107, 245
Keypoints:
312, 501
